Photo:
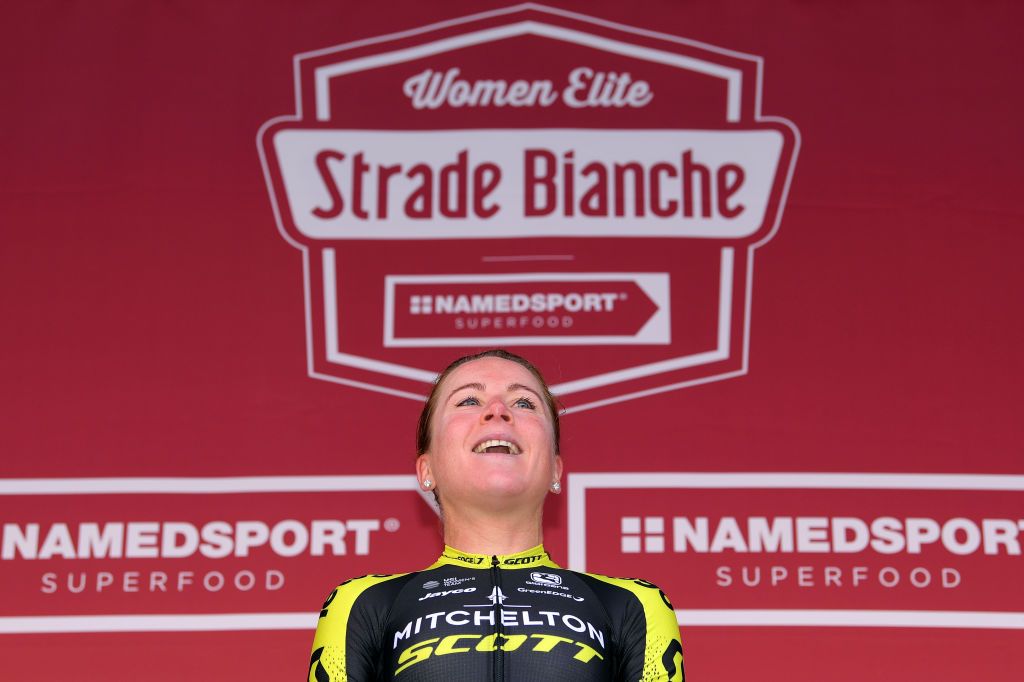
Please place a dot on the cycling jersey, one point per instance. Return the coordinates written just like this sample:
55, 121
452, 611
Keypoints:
477, 617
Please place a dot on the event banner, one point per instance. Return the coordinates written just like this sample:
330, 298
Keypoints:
528, 178
766, 255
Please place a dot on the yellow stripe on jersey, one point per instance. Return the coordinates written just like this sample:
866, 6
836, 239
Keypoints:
535, 557
327, 663
663, 652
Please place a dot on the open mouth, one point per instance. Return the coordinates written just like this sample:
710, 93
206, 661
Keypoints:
497, 446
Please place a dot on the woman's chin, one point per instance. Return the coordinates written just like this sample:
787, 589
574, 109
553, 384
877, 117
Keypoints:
507, 489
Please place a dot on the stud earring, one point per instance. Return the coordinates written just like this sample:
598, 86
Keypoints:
556, 487
427, 483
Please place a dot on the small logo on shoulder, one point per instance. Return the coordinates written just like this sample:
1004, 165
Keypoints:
445, 593
546, 578
455, 582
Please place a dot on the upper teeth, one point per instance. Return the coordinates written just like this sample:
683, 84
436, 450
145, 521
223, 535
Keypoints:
494, 443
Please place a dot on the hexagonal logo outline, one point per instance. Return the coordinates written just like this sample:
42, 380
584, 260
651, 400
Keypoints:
313, 74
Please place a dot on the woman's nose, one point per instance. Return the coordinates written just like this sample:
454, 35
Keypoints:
498, 409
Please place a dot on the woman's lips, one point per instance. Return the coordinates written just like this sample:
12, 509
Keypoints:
497, 445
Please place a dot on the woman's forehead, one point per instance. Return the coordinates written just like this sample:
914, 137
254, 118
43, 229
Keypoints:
492, 373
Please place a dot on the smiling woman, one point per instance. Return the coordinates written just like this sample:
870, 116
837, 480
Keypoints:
488, 441
494, 606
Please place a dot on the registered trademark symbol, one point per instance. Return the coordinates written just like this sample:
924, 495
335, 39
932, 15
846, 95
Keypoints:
391, 524
623, 296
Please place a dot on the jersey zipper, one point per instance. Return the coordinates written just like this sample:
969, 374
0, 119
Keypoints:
498, 667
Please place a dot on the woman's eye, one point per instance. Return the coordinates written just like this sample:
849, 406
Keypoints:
525, 403
467, 401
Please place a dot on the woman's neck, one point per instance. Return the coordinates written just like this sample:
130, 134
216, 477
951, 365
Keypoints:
475, 533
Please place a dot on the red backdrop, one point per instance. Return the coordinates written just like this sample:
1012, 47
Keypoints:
207, 423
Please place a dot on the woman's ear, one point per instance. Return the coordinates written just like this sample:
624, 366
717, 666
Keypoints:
427, 486
423, 470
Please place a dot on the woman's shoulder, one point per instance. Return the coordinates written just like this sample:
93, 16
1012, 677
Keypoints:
349, 590
358, 599
630, 584
649, 622
362, 582
351, 622
645, 593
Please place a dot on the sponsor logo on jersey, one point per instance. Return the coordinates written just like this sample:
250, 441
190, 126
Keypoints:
496, 596
549, 592
456, 581
547, 583
546, 578
521, 560
445, 593
466, 643
490, 619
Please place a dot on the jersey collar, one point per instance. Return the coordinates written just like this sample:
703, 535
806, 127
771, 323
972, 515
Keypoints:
529, 558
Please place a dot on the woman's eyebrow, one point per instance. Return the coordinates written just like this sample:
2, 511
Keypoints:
477, 386
523, 387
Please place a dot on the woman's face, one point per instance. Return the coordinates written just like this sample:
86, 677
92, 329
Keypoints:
492, 440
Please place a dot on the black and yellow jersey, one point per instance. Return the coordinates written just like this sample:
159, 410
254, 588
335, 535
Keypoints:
477, 617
